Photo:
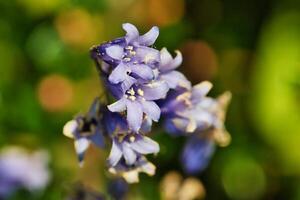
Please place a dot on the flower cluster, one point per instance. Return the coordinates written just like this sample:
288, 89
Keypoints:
145, 86
20, 169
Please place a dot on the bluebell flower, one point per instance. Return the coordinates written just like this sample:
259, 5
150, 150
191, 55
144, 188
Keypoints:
191, 111
139, 103
129, 57
86, 129
118, 188
130, 147
21, 169
131, 172
197, 153
166, 70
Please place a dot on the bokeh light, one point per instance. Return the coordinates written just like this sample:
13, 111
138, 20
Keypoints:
55, 93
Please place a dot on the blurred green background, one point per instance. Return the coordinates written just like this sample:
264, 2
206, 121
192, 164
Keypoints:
250, 47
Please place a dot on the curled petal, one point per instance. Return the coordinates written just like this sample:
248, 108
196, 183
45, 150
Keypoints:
167, 63
151, 109
115, 154
131, 32
115, 52
118, 74
127, 83
155, 90
145, 146
134, 115
150, 37
118, 106
129, 155
143, 71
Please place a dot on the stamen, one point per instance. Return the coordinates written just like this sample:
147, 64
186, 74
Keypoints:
129, 48
133, 98
131, 92
132, 138
140, 92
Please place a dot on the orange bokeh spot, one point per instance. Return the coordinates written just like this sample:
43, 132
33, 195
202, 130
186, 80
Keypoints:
55, 93
165, 12
76, 28
200, 61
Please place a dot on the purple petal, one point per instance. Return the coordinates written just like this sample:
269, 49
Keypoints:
143, 71
134, 115
118, 74
115, 52
147, 55
146, 125
174, 79
129, 154
97, 138
155, 90
131, 32
115, 154
127, 83
151, 109
201, 89
149, 38
145, 146
167, 63
118, 106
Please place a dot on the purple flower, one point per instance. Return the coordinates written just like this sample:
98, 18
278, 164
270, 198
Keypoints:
85, 129
191, 111
19, 169
129, 57
130, 147
131, 172
166, 70
138, 101
196, 154
118, 188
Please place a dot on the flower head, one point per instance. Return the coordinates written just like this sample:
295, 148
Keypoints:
131, 172
20, 169
138, 102
130, 147
191, 111
86, 129
197, 153
129, 57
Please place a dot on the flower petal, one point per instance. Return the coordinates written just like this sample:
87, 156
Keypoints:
147, 55
167, 63
118, 106
129, 155
146, 125
155, 90
115, 52
143, 71
174, 79
151, 110
145, 146
149, 38
81, 146
118, 74
127, 83
134, 115
97, 138
131, 32
70, 128
115, 154
201, 89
